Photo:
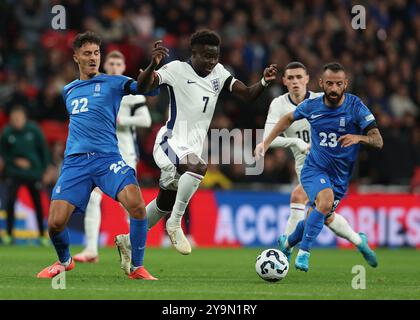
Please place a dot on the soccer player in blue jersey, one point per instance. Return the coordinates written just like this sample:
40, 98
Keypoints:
339, 123
92, 158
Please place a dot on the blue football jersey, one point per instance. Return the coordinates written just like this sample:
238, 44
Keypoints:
93, 107
327, 126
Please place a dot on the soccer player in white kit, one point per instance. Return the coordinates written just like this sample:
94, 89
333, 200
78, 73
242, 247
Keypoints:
194, 87
298, 138
133, 113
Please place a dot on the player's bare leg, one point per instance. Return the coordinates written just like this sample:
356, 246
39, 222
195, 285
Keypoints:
160, 207
192, 171
59, 215
92, 225
130, 197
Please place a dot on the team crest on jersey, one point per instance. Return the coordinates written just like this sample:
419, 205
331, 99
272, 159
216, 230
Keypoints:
97, 90
342, 124
216, 84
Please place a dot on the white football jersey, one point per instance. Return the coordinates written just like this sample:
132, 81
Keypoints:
301, 129
133, 113
192, 101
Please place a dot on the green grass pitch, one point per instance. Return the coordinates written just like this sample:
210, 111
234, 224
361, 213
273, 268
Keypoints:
211, 274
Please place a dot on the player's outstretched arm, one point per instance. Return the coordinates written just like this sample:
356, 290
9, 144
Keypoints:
240, 90
284, 123
373, 138
285, 142
147, 79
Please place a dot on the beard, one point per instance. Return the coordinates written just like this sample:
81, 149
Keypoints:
333, 98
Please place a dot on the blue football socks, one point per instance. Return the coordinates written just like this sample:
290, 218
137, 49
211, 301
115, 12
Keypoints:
313, 227
138, 236
296, 236
61, 242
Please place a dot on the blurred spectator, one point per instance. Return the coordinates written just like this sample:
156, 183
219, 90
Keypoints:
108, 25
215, 179
25, 155
50, 103
401, 103
30, 15
142, 21
52, 172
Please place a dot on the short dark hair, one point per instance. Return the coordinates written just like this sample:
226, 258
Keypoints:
295, 65
17, 108
334, 67
205, 37
87, 37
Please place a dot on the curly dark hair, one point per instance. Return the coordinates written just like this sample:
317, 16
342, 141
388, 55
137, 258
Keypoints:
205, 36
87, 37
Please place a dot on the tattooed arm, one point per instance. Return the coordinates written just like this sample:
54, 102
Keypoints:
373, 138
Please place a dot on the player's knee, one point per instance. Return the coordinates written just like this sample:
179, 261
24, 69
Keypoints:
192, 163
298, 196
137, 208
200, 168
55, 223
329, 219
324, 205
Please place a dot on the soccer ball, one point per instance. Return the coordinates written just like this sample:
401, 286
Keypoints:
272, 265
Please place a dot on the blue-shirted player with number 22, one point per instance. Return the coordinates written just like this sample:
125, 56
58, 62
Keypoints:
339, 123
92, 158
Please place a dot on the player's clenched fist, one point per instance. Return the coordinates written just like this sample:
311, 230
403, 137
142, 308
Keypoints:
270, 73
158, 53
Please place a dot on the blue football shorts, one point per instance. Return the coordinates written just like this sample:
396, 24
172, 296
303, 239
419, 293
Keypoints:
81, 173
314, 180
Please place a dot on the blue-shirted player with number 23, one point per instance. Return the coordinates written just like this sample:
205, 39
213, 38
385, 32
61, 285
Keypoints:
339, 123
92, 158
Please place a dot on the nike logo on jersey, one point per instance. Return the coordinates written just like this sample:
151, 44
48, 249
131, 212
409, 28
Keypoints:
315, 116
125, 171
189, 81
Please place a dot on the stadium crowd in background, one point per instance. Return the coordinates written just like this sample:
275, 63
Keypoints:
382, 61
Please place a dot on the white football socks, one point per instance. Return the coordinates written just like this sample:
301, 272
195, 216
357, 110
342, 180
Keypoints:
154, 214
93, 222
187, 185
297, 213
341, 228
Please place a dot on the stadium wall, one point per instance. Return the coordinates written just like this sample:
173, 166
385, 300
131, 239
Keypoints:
246, 218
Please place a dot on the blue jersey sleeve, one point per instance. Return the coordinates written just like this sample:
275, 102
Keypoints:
363, 116
302, 111
126, 85
133, 90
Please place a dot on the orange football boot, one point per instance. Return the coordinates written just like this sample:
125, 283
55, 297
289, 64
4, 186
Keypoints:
56, 268
141, 273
